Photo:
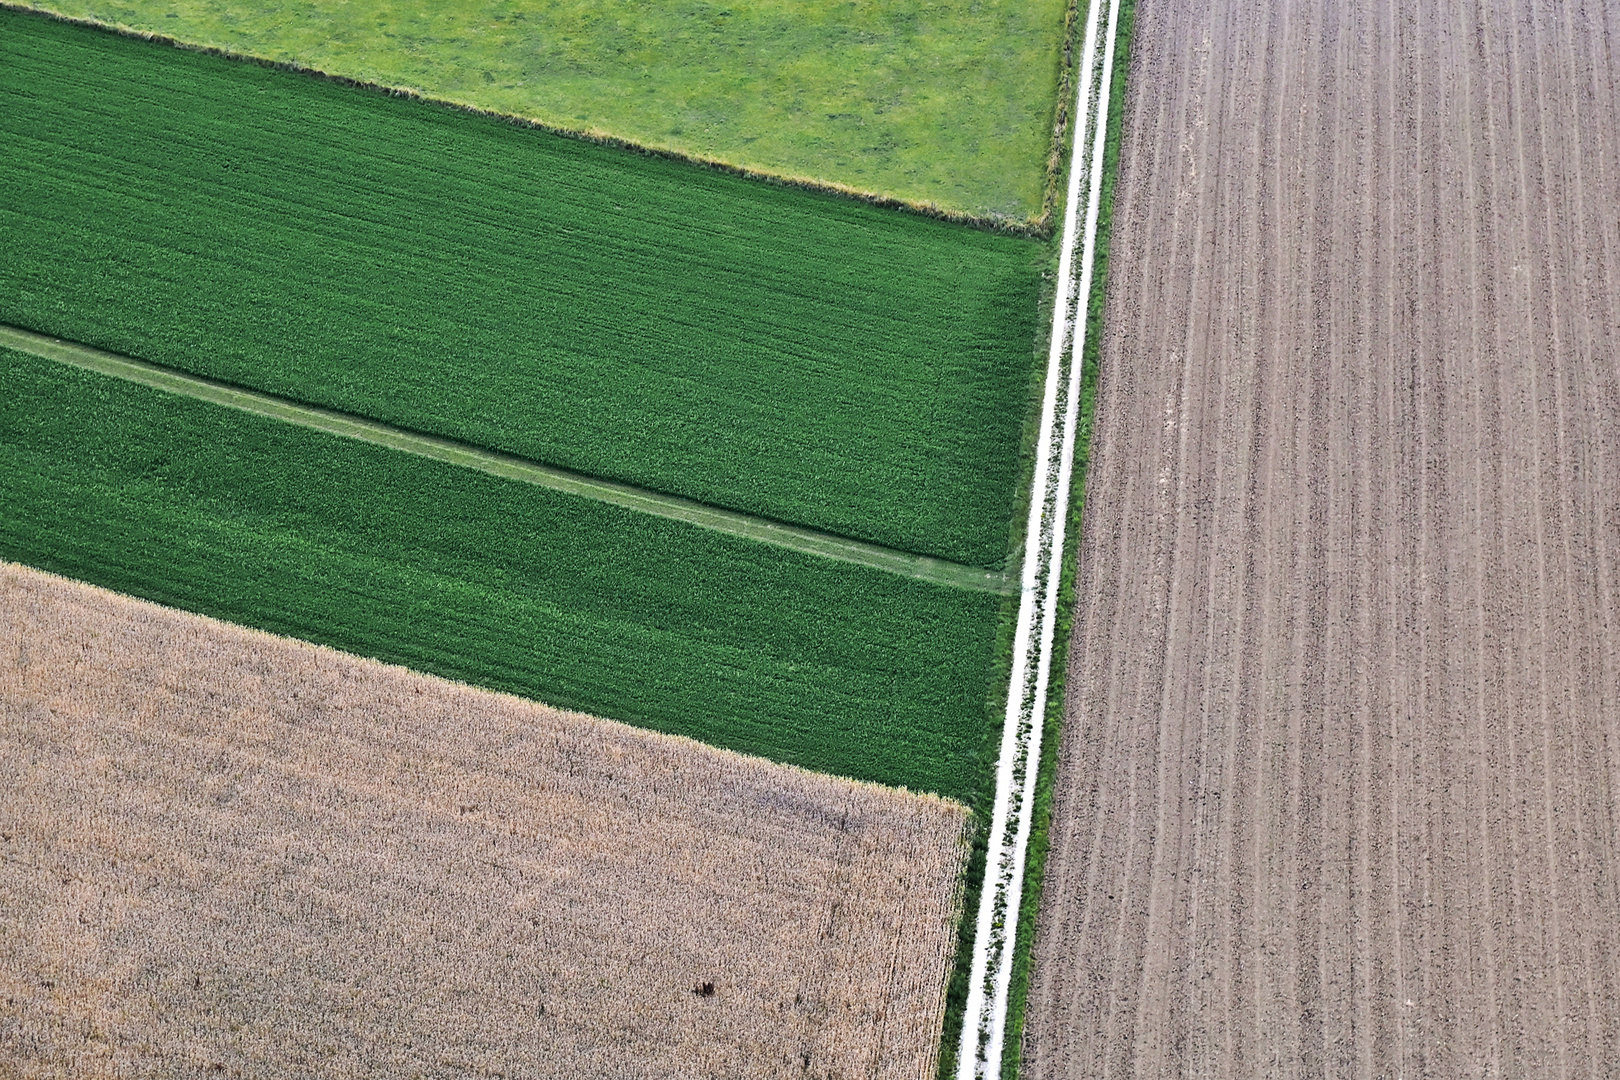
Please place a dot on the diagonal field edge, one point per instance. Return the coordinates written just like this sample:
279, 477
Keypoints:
791, 537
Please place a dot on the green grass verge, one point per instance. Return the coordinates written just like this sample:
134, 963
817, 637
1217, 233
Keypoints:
794, 356
995, 708
947, 102
1052, 731
567, 600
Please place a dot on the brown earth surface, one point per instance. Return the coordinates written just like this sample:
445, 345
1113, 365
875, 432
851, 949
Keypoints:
228, 854
1339, 789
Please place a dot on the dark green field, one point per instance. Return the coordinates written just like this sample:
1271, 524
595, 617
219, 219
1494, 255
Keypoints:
579, 604
796, 356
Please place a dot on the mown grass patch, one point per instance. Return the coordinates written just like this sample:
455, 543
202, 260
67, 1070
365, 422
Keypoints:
947, 102
800, 357
500, 584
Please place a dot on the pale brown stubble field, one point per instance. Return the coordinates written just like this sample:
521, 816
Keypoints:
218, 847
1339, 789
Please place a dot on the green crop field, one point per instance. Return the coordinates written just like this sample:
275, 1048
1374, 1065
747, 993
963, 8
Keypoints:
573, 602
948, 102
797, 356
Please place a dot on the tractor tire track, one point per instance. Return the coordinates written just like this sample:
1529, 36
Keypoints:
509, 467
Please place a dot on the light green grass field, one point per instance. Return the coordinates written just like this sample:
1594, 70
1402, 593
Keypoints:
949, 103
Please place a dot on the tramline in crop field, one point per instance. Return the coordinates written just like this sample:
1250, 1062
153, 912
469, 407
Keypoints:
796, 356
476, 288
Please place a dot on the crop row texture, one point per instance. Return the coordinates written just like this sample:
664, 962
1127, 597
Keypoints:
860, 370
566, 600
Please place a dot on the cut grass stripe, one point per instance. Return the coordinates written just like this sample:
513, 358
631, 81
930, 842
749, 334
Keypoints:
794, 538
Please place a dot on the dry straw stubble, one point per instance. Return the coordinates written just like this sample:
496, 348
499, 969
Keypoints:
226, 848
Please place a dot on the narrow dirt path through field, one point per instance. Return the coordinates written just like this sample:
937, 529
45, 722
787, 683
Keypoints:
1339, 789
506, 466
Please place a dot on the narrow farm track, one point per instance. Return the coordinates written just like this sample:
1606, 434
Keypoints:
794, 538
981, 1049
1339, 788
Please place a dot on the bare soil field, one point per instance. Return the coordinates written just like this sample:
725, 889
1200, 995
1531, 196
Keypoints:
1339, 788
225, 853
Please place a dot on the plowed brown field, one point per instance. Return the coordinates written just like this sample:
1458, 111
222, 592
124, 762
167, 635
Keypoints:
1339, 789
228, 854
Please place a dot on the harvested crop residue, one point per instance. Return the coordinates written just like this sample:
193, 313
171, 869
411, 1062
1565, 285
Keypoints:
226, 852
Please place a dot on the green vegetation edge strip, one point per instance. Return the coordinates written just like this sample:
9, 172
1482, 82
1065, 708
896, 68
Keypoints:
981, 1050
791, 537
1040, 839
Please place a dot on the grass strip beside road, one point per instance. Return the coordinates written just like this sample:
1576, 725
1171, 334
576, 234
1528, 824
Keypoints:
947, 102
808, 541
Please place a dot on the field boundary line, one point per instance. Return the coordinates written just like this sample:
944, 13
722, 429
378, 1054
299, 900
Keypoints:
995, 933
509, 467
1033, 228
